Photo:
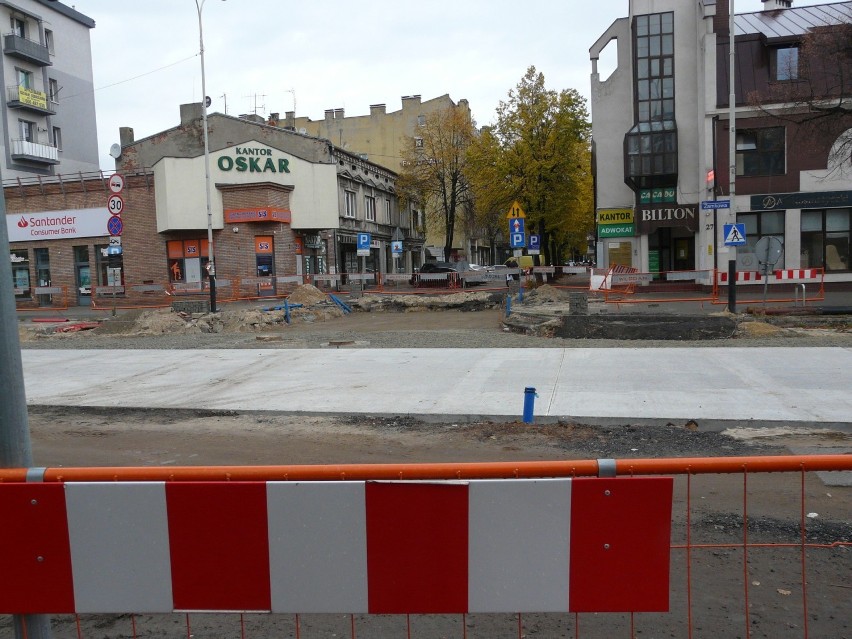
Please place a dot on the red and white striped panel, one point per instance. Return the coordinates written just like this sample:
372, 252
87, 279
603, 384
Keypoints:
537, 545
742, 276
798, 274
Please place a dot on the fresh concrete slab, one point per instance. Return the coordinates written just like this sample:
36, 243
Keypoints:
716, 387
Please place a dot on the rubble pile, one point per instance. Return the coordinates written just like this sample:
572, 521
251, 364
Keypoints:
413, 303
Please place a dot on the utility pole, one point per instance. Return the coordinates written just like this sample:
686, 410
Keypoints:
732, 154
15, 448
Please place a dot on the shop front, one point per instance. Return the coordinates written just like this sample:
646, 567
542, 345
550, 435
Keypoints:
671, 231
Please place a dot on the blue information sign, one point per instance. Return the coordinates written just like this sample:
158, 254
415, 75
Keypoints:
708, 205
735, 234
535, 242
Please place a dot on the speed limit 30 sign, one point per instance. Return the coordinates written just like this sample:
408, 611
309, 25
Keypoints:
115, 204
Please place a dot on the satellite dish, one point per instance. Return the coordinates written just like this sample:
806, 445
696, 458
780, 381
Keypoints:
303, 130
115, 151
207, 102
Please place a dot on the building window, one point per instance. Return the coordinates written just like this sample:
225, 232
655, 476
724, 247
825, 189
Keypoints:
53, 90
421, 120
25, 78
21, 273
786, 64
370, 208
28, 130
766, 224
650, 147
57, 138
19, 27
826, 239
48, 41
654, 51
349, 204
418, 143
387, 212
187, 260
760, 151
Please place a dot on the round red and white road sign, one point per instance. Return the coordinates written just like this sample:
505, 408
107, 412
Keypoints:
115, 204
116, 183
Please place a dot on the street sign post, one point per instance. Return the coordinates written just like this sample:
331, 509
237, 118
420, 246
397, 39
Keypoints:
708, 205
517, 235
116, 183
735, 234
516, 211
364, 240
115, 226
115, 204
534, 247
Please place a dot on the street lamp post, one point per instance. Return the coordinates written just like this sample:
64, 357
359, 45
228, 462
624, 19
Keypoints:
211, 264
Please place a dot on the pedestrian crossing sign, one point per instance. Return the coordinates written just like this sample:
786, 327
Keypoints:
734, 234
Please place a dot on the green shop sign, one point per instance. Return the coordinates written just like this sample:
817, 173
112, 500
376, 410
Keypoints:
253, 160
616, 230
649, 196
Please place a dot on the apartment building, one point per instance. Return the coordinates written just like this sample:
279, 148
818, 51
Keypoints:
48, 106
661, 130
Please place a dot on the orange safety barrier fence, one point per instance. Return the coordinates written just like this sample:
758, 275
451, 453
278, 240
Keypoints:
797, 278
57, 299
733, 574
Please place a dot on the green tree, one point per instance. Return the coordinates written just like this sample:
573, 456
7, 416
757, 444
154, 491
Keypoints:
540, 155
491, 189
434, 168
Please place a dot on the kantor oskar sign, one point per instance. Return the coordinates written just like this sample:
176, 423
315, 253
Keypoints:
253, 159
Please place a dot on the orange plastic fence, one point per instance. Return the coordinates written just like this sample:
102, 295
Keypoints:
742, 608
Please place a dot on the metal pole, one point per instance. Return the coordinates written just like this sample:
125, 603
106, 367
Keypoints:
211, 264
732, 155
15, 448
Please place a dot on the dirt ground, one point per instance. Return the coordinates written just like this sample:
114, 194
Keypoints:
708, 509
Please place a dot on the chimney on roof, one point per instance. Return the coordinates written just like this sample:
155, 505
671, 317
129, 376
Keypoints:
338, 114
377, 109
329, 114
775, 5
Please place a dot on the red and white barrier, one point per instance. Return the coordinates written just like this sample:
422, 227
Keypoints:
798, 274
742, 276
543, 545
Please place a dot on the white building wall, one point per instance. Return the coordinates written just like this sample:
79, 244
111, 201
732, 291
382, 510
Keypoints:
182, 205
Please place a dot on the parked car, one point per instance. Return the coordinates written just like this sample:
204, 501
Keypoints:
432, 267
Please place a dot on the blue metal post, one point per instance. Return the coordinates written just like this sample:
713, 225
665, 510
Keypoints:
508, 305
286, 311
529, 404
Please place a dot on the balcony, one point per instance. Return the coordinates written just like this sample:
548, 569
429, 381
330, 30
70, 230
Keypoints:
18, 97
18, 47
26, 151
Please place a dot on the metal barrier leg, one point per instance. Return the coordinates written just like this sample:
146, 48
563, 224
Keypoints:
796, 294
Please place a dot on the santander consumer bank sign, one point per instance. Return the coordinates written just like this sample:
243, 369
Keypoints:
57, 225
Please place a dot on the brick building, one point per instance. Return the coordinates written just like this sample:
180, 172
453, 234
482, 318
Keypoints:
283, 206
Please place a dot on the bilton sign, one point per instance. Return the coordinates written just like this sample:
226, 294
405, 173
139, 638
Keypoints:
650, 218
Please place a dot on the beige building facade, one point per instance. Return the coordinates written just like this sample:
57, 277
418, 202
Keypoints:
379, 137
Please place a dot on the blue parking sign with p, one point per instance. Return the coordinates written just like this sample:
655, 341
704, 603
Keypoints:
363, 241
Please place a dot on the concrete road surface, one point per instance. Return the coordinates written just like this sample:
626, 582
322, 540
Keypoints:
717, 387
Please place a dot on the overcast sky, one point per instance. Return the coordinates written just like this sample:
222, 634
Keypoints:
267, 56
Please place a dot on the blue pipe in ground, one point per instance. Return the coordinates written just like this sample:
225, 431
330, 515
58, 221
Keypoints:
529, 404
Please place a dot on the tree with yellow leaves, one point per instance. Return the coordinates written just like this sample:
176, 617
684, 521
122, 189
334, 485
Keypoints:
434, 168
